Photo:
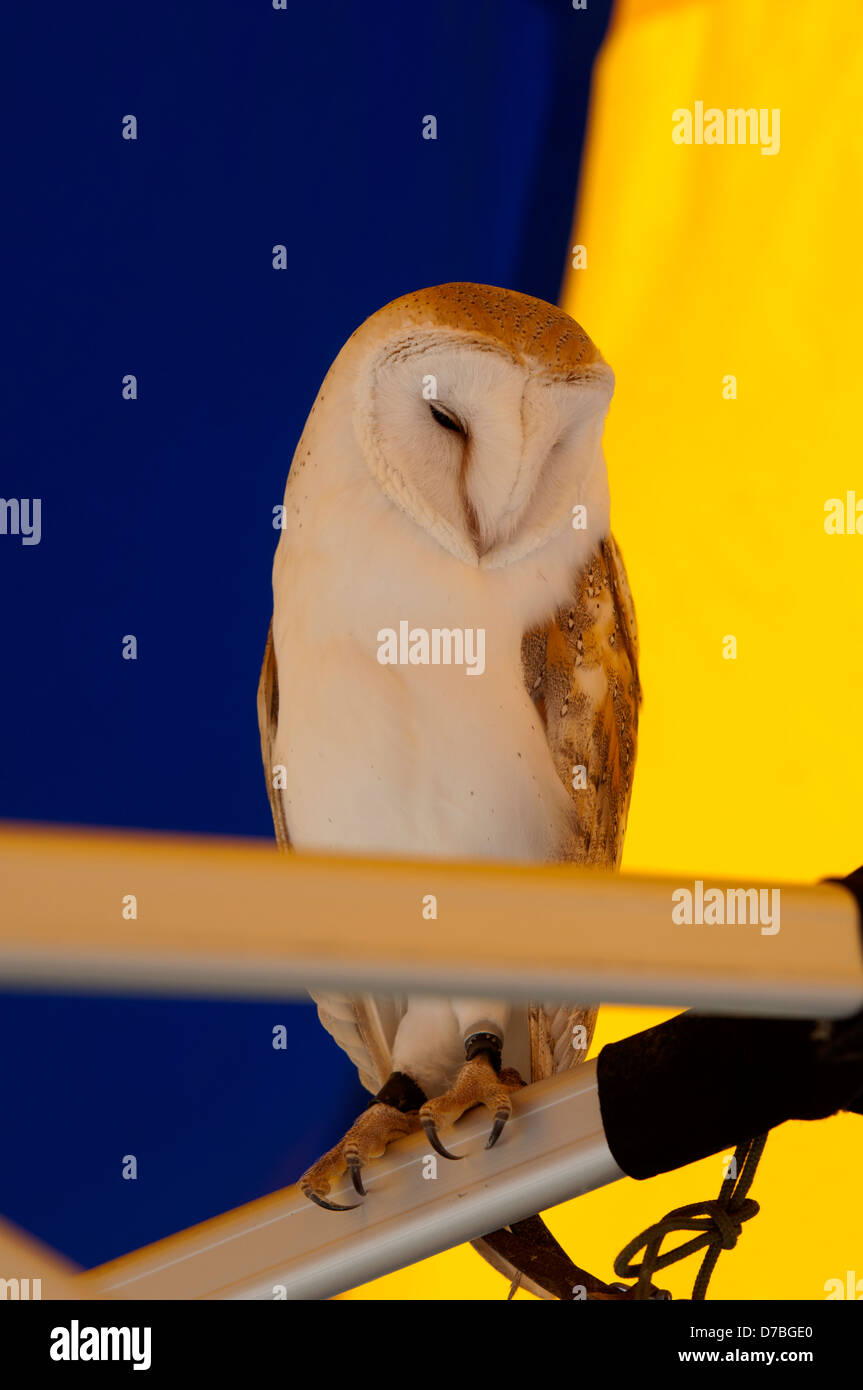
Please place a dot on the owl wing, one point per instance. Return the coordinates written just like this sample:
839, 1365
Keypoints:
582, 673
363, 1027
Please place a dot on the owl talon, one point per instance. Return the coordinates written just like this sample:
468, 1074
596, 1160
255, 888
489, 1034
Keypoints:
356, 1168
328, 1206
368, 1138
431, 1135
500, 1120
476, 1084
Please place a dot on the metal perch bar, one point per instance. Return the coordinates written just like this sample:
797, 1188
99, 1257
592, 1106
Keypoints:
283, 1246
236, 918
230, 918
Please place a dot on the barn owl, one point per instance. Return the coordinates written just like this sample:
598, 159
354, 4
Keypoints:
450, 480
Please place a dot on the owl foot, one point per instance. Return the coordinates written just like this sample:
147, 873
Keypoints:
480, 1082
367, 1138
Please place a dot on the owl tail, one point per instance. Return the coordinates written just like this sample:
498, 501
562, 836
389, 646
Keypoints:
528, 1255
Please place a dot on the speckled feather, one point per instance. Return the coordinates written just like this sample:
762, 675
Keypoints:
582, 673
529, 328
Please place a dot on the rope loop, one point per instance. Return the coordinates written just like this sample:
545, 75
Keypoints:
718, 1224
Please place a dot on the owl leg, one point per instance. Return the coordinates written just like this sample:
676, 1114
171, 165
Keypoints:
390, 1115
481, 1081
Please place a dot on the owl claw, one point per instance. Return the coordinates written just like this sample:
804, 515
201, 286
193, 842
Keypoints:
431, 1135
356, 1168
476, 1084
329, 1206
500, 1120
367, 1138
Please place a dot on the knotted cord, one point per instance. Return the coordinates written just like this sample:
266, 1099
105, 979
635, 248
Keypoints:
719, 1222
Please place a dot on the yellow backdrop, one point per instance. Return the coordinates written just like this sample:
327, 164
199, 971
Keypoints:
705, 262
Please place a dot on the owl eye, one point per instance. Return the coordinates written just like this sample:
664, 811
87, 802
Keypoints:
445, 418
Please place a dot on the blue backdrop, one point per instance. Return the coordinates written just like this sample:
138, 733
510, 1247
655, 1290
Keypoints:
154, 257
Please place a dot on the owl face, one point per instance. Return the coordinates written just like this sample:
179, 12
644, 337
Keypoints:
487, 448
487, 441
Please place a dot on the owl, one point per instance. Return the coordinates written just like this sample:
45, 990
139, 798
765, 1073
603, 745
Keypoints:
451, 668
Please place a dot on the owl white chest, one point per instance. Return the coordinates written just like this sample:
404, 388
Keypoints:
413, 757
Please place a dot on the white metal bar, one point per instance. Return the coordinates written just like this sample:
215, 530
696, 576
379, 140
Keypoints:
230, 917
283, 1246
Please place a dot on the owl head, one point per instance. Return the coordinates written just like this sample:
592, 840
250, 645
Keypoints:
479, 413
